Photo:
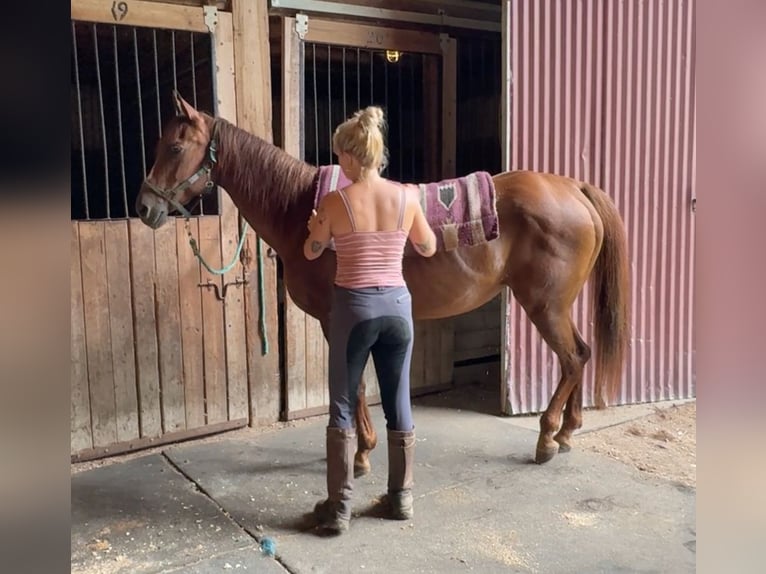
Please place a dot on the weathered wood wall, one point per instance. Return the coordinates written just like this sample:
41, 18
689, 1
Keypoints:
155, 356
254, 114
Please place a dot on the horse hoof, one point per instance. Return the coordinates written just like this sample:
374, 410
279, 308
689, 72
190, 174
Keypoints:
544, 454
564, 443
361, 467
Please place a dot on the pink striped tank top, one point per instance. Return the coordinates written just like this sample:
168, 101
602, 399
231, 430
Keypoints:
370, 258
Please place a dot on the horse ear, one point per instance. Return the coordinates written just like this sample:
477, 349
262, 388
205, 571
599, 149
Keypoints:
184, 108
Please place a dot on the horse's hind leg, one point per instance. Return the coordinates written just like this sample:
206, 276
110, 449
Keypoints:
573, 412
556, 328
367, 438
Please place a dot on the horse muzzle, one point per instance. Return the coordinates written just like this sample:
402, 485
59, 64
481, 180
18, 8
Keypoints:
152, 209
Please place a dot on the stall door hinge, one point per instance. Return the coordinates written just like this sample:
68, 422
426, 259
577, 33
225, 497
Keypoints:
301, 25
211, 18
444, 42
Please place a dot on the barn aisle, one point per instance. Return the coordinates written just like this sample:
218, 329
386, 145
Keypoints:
481, 505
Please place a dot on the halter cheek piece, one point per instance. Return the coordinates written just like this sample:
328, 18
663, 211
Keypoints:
171, 195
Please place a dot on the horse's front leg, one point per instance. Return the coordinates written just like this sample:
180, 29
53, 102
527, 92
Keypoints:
367, 438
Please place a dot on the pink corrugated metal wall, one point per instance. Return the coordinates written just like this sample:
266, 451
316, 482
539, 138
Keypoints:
603, 91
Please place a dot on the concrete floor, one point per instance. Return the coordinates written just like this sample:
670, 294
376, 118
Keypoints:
481, 504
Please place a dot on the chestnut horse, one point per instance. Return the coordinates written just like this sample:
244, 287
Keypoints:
554, 233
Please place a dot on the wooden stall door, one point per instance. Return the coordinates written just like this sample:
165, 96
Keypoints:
343, 44
157, 356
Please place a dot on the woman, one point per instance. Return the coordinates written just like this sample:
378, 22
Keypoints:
370, 222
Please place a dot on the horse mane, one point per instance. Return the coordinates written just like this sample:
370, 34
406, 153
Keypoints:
265, 175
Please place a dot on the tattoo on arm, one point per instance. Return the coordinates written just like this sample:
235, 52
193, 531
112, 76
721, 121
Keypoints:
316, 246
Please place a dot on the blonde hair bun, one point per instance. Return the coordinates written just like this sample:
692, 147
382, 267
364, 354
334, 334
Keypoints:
372, 116
362, 136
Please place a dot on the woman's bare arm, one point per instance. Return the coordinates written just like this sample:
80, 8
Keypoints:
421, 235
319, 232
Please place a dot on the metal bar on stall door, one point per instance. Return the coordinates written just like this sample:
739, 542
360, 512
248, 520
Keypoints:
372, 73
213, 72
401, 111
173, 50
482, 147
214, 92
358, 80
344, 83
119, 120
412, 118
329, 99
469, 152
79, 120
316, 105
495, 89
157, 82
193, 69
103, 121
140, 103
302, 101
385, 84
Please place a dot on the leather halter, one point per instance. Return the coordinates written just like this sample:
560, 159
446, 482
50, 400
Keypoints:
171, 195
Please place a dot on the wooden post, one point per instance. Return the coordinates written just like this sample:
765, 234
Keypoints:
296, 321
252, 66
443, 331
234, 325
431, 118
506, 145
449, 105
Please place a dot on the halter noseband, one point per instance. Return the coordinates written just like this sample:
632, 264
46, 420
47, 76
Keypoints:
171, 195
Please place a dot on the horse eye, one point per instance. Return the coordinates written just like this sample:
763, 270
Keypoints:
176, 148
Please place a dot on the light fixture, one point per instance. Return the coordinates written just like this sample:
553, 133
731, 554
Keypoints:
392, 56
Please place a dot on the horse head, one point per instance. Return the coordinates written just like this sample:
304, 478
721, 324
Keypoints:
184, 159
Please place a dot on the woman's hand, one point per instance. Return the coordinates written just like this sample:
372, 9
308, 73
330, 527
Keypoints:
312, 221
319, 234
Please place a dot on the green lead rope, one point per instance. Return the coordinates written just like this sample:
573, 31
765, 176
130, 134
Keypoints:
230, 266
261, 299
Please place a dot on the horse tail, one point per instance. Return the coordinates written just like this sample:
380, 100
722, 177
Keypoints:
610, 297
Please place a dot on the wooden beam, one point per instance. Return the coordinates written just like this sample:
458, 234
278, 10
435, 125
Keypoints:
456, 9
505, 165
220, 4
449, 106
291, 88
97, 336
140, 13
295, 319
371, 37
81, 435
435, 17
234, 305
150, 442
252, 65
446, 331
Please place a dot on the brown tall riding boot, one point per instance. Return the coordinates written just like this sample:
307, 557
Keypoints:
401, 452
334, 512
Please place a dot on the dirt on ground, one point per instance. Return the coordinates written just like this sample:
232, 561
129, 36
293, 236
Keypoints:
663, 443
